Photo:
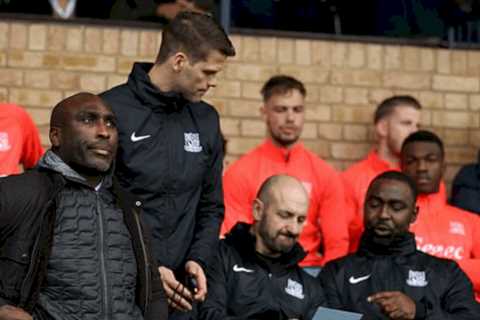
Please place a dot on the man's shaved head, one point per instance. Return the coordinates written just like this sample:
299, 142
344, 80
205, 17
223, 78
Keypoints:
84, 135
276, 182
59, 112
280, 213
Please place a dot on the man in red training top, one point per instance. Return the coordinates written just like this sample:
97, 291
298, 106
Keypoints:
325, 235
19, 140
395, 118
441, 230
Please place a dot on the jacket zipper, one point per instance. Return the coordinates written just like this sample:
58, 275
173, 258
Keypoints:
171, 153
145, 258
102, 257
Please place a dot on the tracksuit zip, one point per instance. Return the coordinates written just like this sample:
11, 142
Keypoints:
103, 268
147, 265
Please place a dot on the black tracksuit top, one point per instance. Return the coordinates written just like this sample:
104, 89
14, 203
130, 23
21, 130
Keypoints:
170, 156
242, 285
439, 288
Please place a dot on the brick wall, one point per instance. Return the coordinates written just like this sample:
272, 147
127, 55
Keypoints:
42, 63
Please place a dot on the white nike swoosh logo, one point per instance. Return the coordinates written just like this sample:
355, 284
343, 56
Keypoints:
236, 268
139, 138
354, 280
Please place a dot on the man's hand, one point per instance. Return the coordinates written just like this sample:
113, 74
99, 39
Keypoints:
8, 312
178, 296
195, 270
394, 304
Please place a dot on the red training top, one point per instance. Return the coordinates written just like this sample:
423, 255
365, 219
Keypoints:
326, 221
449, 232
19, 140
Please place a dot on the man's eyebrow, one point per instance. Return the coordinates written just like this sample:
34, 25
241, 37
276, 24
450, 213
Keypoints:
373, 196
110, 117
286, 211
285, 106
88, 112
94, 111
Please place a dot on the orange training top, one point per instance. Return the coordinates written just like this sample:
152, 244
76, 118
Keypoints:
326, 225
19, 140
449, 232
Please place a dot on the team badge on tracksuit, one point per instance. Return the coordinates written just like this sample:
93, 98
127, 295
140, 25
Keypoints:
295, 289
4, 143
192, 142
457, 228
417, 279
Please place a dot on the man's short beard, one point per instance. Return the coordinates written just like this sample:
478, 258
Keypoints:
284, 142
383, 241
269, 241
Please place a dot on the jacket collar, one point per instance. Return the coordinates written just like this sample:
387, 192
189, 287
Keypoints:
433, 202
402, 245
244, 242
149, 94
378, 163
280, 154
52, 162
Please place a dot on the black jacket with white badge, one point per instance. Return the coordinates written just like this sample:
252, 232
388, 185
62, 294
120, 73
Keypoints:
439, 288
170, 155
243, 286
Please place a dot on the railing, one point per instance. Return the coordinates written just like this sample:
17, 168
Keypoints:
464, 34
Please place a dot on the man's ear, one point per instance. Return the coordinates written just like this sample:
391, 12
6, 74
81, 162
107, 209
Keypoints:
258, 208
263, 112
381, 128
414, 215
179, 61
444, 168
55, 136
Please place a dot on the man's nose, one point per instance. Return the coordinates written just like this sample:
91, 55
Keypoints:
294, 228
384, 212
103, 130
212, 82
421, 165
290, 115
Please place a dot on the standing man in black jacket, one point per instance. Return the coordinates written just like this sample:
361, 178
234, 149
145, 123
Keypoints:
388, 278
255, 274
170, 150
71, 244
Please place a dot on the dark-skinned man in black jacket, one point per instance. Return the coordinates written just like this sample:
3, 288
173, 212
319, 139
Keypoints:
71, 242
387, 277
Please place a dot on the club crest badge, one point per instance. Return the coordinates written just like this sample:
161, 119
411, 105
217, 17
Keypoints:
457, 228
192, 142
417, 278
295, 289
4, 143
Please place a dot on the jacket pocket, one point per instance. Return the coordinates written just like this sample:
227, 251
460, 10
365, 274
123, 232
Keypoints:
14, 261
15, 251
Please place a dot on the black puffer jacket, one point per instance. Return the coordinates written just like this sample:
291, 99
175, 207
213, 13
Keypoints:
244, 286
27, 217
440, 289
